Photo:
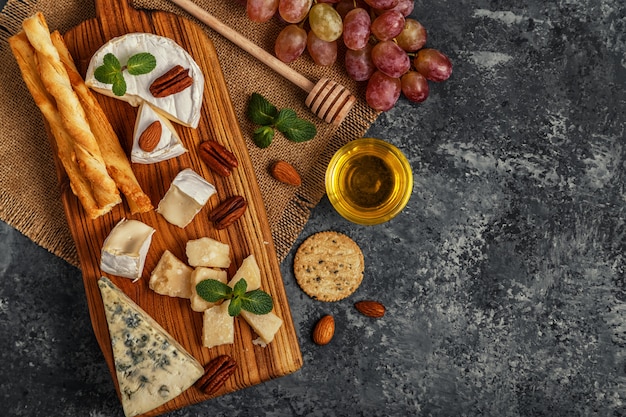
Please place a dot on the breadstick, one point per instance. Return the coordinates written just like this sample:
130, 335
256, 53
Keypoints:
114, 156
25, 57
57, 83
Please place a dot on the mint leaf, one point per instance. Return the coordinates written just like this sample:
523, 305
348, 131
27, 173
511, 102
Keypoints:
257, 302
263, 136
213, 290
234, 308
119, 85
141, 63
109, 70
285, 119
300, 130
261, 111
240, 288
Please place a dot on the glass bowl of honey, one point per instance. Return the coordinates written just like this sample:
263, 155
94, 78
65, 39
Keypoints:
369, 181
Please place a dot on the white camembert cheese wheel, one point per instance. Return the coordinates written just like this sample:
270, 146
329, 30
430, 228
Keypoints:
186, 196
183, 107
125, 248
151, 366
169, 146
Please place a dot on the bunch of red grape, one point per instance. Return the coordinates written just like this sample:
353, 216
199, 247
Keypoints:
384, 46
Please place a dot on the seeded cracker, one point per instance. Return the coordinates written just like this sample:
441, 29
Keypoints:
329, 266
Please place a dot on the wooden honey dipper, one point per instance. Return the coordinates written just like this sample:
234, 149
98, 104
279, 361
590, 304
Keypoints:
329, 101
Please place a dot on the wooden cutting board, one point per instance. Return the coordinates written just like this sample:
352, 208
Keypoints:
250, 235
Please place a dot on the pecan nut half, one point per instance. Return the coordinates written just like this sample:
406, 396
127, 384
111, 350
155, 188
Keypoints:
228, 212
173, 81
216, 372
217, 157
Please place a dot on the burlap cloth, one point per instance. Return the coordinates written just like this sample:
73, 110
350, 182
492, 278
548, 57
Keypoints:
29, 194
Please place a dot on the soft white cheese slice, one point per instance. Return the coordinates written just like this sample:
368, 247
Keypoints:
125, 248
151, 366
170, 145
183, 107
186, 196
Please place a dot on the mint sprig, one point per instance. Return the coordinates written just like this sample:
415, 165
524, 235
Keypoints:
112, 72
286, 121
256, 301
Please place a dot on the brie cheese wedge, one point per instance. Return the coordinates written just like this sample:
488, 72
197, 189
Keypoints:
169, 146
183, 107
186, 196
125, 248
151, 366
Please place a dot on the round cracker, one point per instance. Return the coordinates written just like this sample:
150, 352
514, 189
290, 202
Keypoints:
329, 266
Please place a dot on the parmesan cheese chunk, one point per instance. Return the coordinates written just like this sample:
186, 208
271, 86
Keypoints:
171, 277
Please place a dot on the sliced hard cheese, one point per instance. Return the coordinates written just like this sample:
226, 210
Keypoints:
125, 248
171, 277
183, 107
169, 146
198, 303
218, 327
264, 325
152, 368
249, 270
186, 196
208, 252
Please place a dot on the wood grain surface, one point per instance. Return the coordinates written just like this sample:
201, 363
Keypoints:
250, 235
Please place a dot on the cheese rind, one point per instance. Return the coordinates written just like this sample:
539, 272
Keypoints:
151, 366
183, 107
199, 274
186, 196
169, 146
125, 248
171, 277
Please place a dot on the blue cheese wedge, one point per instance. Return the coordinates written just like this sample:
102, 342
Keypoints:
125, 248
169, 146
151, 367
182, 107
186, 196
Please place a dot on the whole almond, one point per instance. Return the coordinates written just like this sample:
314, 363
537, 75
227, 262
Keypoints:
149, 138
285, 173
370, 308
324, 330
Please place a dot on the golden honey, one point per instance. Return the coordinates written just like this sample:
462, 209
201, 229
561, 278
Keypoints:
369, 181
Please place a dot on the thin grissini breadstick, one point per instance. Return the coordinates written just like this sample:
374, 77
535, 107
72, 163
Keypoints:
25, 57
114, 156
56, 81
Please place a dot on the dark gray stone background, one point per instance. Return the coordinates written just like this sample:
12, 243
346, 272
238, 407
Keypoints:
503, 278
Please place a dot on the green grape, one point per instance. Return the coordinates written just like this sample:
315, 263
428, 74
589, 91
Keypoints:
325, 22
413, 36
